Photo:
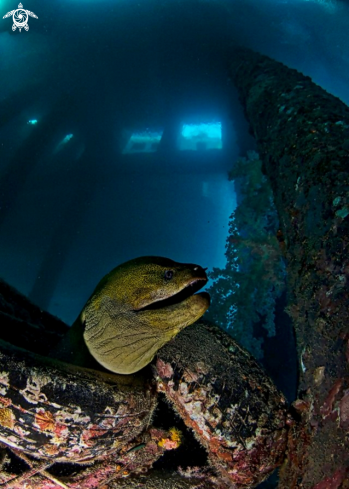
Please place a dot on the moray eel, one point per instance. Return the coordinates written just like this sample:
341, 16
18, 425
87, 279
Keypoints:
134, 310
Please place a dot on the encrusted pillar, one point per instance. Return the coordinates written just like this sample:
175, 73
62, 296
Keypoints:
302, 134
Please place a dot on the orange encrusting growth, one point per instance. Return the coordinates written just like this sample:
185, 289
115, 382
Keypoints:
173, 441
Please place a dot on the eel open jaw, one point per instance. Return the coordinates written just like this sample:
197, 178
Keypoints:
188, 290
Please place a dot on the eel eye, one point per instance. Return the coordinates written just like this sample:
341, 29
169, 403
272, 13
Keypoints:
168, 274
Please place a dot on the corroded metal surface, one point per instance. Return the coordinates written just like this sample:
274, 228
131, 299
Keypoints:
163, 480
66, 414
302, 134
221, 392
135, 458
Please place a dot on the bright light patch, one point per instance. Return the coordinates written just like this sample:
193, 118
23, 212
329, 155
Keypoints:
32, 122
200, 137
64, 141
67, 138
143, 142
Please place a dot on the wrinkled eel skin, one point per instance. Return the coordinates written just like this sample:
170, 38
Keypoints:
134, 310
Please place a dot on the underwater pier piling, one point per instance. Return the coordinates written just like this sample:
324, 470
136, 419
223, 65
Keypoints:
302, 133
25, 158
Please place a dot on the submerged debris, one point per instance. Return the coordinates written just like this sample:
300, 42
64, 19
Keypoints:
65, 426
234, 409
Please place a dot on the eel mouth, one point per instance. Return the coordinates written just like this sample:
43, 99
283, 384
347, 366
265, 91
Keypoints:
188, 291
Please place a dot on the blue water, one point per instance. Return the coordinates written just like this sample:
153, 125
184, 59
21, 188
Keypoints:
124, 68
118, 69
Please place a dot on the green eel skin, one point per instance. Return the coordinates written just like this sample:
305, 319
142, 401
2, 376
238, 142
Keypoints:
135, 309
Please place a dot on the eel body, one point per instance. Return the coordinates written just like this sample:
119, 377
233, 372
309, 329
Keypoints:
134, 310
